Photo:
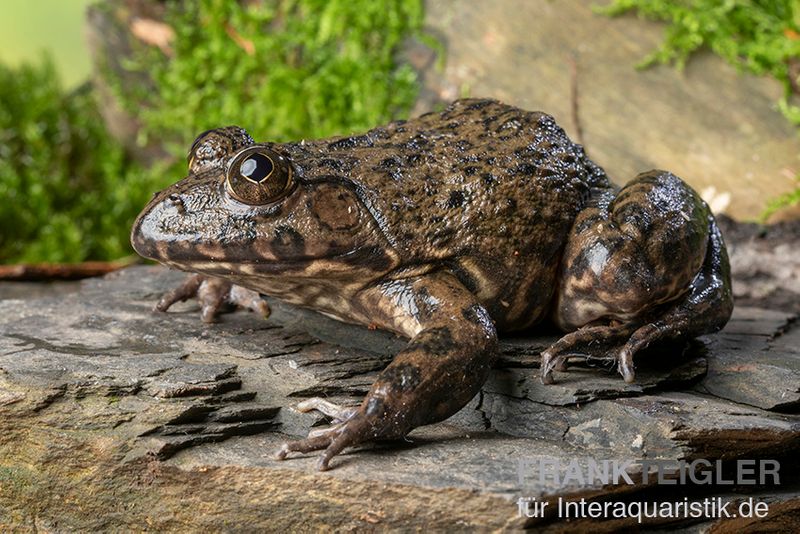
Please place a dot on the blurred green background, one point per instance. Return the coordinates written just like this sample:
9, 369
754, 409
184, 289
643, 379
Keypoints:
30, 28
78, 160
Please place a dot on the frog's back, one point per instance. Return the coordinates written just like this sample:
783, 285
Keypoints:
484, 189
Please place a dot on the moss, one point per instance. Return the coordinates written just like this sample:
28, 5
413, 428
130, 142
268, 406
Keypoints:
283, 70
757, 36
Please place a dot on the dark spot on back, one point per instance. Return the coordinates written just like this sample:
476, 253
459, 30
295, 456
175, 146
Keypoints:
413, 160
351, 142
334, 164
389, 163
456, 199
525, 169
418, 142
479, 104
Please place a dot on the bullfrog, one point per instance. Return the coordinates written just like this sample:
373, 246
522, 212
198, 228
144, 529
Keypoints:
445, 229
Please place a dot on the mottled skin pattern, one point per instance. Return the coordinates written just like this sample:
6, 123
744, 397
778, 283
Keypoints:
444, 229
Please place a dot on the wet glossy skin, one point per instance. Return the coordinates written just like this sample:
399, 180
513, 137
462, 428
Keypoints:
444, 229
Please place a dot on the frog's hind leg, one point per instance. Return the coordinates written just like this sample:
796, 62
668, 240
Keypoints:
649, 265
453, 345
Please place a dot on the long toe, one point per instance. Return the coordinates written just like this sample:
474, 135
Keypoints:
334, 411
334, 440
593, 343
249, 299
185, 291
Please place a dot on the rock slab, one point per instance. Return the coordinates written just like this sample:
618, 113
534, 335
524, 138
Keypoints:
113, 416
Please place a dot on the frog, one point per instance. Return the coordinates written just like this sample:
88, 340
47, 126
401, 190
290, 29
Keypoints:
445, 229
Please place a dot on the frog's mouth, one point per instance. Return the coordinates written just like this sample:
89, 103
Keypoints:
186, 252
287, 279
370, 258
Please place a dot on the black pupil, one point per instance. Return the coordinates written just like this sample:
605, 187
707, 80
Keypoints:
256, 168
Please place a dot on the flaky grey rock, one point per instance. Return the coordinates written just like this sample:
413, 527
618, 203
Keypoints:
113, 416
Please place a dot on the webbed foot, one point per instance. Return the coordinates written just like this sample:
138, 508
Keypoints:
214, 294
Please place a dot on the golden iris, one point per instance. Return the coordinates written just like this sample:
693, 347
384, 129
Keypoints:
258, 176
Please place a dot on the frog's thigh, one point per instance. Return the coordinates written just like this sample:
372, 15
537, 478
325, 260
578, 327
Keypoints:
453, 345
643, 249
649, 265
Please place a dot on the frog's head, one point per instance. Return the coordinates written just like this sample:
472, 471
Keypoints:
246, 209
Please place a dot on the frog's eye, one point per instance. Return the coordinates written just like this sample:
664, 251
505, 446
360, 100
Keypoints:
258, 175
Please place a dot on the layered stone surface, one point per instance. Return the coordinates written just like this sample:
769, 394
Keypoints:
113, 415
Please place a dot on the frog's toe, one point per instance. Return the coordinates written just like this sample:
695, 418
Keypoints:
247, 298
555, 362
640, 340
310, 444
589, 343
550, 363
333, 440
185, 291
314, 432
625, 365
214, 295
338, 413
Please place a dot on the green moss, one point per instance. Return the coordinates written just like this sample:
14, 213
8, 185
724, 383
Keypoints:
283, 70
286, 69
757, 36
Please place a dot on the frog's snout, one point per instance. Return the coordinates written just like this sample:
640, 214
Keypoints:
141, 243
147, 234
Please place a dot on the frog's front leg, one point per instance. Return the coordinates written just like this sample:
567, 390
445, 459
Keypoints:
453, 345
213, 294
646, 265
